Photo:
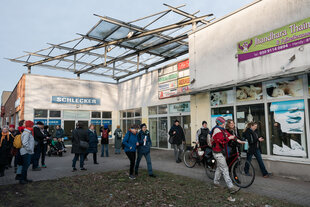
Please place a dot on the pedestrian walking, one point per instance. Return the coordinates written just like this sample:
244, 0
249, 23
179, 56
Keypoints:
130, 142
178, 139
118, 134
79, 146
144, 149
105, 140
93, 143
39, 138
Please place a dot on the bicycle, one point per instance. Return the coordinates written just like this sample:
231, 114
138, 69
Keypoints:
194, 156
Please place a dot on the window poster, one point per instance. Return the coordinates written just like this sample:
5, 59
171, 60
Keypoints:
222, 97
249, 92
284, 88
225, 116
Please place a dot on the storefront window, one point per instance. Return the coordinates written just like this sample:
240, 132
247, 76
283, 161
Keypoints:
162, 109
179, 107
130, 114
55, 114
163, 132
222, 97
69, 114
287, 128
153, 131
137, 112
107, 114
39, 113
152, 110
124, 127
284, 88
95, 114
253, 113
82, 115
225, 112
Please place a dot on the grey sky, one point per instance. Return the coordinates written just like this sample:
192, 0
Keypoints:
29, 25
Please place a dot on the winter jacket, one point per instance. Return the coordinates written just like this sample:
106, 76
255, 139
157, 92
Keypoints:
220, 139
106, 140
118, 138
4, 151
27, 142
78, 135
130, 140
59, 133
252, 138
201, 136
179, 136
39, 136
147, 147
93, 142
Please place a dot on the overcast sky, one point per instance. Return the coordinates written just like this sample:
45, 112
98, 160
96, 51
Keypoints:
29, 25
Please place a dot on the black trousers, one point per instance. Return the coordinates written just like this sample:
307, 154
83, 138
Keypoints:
132, 158
43, 153
94, 157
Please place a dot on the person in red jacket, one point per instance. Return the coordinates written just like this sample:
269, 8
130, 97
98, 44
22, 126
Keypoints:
220, 138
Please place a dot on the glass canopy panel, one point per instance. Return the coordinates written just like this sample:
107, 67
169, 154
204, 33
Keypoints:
151, 42
122, 32
176, 51
102, 30
165, 48
135, 42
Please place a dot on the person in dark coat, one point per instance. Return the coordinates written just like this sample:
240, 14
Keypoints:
202, 135
39, 138
118, 134
144, 149
13, 132
177, 133
4, 149
44, 146
254, 147
93, 143
59, 134
105, 140
79, 134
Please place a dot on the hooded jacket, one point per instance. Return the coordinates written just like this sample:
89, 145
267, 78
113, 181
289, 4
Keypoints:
147, 147
130, 140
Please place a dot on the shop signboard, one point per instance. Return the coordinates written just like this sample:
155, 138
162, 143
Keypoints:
179, 108
183, 73
168, 85
183, 89
108, 122
222, 97
44, 121
75, 100
95, 122
249, 92
289, 36
167, 93
168, 77
54, 122
167, 70
284, 88
183, 81
183, 65
214, 117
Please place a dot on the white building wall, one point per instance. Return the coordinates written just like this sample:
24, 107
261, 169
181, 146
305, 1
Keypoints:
212, 50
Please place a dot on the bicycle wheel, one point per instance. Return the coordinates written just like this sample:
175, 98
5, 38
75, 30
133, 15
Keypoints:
242, 173
210, 169
189, 159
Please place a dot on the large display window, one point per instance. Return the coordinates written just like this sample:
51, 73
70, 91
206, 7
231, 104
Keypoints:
225, 112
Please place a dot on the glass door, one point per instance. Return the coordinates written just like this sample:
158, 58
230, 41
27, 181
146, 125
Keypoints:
163, 132
69, 126
186, 124
153, 131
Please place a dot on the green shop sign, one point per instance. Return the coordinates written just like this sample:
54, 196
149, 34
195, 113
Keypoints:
168, 77
286, 37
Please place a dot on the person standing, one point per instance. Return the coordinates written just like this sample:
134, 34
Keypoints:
12, 150
177, 133
44, 146
220, 139
59, 134
4, 149
130, 142
118, 134
39, 138
202, 135
79, 138
93, 143
144, 149
27, 150
254, 141
18, 158
105, 140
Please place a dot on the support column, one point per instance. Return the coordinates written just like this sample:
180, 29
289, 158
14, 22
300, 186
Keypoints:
29, 69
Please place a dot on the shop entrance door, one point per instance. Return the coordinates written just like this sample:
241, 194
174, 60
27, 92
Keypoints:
69, 126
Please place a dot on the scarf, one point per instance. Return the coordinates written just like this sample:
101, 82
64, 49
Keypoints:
7, 135
30, 129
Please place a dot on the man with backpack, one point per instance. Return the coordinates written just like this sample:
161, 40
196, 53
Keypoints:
118, 134
105, 140
202, 135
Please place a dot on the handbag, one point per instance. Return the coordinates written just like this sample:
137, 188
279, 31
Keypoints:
171, 139
84, 144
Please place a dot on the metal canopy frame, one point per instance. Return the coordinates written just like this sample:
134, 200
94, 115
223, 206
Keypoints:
121, 49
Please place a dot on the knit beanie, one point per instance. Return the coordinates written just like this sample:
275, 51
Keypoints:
220, 120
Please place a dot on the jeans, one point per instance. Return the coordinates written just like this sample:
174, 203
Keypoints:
36, 156
148, 162
76, 157
117, 151
132, 158
26, 164
178, 150
43, 153
221, 168
259, 159
106, 146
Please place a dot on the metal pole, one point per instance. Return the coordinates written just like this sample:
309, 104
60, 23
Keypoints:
29, 70
138, 60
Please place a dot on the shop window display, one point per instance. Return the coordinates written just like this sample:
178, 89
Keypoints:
222, 97
55, 113
284, 88
287, 128
225, 112
39, 113
249, 92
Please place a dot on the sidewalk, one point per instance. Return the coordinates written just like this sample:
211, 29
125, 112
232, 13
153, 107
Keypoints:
285, 189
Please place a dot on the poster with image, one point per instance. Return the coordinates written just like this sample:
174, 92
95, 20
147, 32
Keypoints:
284, 88
249, 92
222, 97
225, 116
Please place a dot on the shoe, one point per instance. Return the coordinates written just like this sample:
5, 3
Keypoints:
96, 163
83, 169
23, 182
152, 176
43, 166
18, 177
178, 161
266, 176
36, 169
74, 169
234, 189
131, 177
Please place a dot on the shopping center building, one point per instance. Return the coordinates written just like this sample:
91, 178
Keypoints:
251, 65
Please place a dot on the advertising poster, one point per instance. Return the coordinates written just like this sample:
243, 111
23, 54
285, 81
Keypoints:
183, 65
168, 85
168, 77
249, 92
289, 36
183, 82
284, 88
222, 97
183, 73
225, 116
167, 93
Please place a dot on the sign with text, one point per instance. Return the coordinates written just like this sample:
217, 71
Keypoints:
183, 65
183, 82
75, 100
168, 77
289, 36
54, 122
168, 85
168, 93
44, 121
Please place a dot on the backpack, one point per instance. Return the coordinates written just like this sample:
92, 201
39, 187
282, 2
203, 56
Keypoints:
105, 134
119, 135
123, 146
17, 143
